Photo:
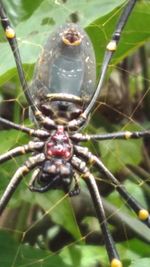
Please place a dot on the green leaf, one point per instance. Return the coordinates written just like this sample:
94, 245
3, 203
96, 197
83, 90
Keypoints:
10, 139
135, 252
84, 256
140, 263
19, 255
117, 153
59, 207
19, 10
12, 253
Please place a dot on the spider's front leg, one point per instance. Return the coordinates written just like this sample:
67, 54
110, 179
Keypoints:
31, 132
126, 135
31, 163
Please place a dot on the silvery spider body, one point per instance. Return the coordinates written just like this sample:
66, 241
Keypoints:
63, 85
64, 79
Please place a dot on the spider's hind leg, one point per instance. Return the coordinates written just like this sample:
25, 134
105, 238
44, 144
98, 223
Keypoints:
81, 167
142, 213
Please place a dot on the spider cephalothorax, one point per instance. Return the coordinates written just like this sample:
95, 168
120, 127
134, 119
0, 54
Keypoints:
59, 145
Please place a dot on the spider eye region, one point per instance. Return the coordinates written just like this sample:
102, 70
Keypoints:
59, 146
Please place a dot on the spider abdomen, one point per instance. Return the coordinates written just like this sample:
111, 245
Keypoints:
65, 74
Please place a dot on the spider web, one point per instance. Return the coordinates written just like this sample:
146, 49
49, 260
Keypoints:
42, 229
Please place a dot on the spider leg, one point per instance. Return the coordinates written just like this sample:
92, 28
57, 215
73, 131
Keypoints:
42, 189
11, 37
21, 150
142, 213
79, 137
17, 178
81, 167
76, 190
110, 49
32, 132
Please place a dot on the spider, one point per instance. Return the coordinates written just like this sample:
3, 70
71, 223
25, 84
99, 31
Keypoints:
61, 97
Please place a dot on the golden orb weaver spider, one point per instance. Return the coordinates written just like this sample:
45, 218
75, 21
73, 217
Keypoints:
57, 160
